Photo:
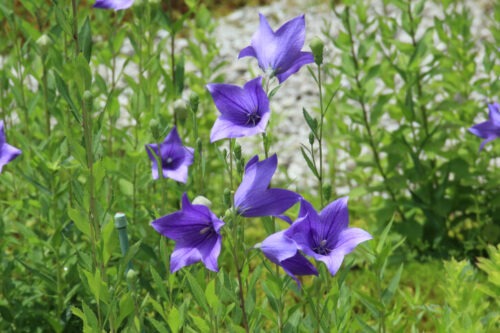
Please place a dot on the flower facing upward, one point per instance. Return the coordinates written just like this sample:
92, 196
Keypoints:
253, 197
7, 152
195, 230
175, 158
113, 4
326, 237
244, 111
279, 52
283, 251
490, 129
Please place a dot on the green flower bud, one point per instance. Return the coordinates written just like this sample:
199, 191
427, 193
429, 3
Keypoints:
227, 197
317, 46
194, 101
132, 276
237, 152
327, 191
311, 138
43, 42
154, 126
180, 111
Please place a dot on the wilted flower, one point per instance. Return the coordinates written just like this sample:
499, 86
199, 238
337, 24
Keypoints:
195, 230
279, 52
490, 129
7, 152
283, 251
244, 111
175, 158
326, 237
253, 197
113, 4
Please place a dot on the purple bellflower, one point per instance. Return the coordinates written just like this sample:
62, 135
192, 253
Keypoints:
7, 152
244, 111
175, 158
196, 232
113, 4
283, 251
253, 197
279, 52
326, 237
490, 129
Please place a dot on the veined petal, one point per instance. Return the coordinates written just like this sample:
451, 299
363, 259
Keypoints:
332, 261
231, 100
494, 113
173, 137
334, 218
7, 154
277, 247
227, 129
247, 52
349, 238
113, 4
183, 256
257, 177
485, 129
298, 265
210, 251
264, 44
268, 203
293, 67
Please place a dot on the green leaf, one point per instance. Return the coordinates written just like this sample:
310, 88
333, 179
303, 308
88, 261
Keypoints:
310, 164
210, 295
174, 320
197, 291
85, 39
80, 219
312, 123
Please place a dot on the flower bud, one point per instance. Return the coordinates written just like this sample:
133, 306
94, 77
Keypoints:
88, 100
43, 42
194, 101
201, 200
227, 197
237, 152
327, 191
317, 47
132, 276
180, 111
154, 126
311, 138
199, 145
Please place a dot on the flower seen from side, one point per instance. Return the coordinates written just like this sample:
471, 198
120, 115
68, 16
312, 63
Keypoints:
244, 111
490, 129
326, 236
196, 232
254, 197
113, 4
279, 53
174, 157
7, 152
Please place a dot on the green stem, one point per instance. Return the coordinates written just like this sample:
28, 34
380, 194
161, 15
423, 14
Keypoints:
320, 138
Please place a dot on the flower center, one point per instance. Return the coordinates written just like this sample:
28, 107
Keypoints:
206, 230
253, 118
322, 249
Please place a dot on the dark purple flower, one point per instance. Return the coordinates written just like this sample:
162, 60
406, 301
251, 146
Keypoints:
279, 52
326, 237
113, 4
7, 152
244, 111
253, 197
195, 230
175, 158
283, 251
490, 129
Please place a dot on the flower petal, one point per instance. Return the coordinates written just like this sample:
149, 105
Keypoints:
271, 202
152, 150
334, 218
277, 247
303, 59
257, 177
298, 265
494, 113
183, 256
113, 4
231, 100
349, 238
7, 154
247, 52
332, 261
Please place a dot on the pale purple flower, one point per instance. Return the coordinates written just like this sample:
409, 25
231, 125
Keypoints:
253, 197
196, 232
490, 129
283, 251
113, 4
279, 52
175, 158
244, 111
326, 237
7, 152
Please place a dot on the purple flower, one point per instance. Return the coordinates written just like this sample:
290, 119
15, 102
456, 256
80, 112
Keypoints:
279, 52
7, 152
326, 237
283, 251
175, 158
490, 129
244, 111
195, 230
113, 4
253, 197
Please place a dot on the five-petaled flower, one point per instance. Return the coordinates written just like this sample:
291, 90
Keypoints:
244, 111
283, 251
253, 197
279, 53
490, 129
326, 236
113, 4
196, 232
7, 152
174, 157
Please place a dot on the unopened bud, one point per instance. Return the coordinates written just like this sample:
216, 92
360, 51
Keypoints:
201, 200
311, 138
194, 101
317, 46
43, 42
237, 152
154, 126
180, 111
132, 276
227, 197
327, 192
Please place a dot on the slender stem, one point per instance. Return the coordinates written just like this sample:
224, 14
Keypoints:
320, 139
75, 27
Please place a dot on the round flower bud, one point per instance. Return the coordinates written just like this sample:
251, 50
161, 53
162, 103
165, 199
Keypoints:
227, 197
43, 42
201, 200
194, 101
180, 111
311, 138
317, 47
132, 276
